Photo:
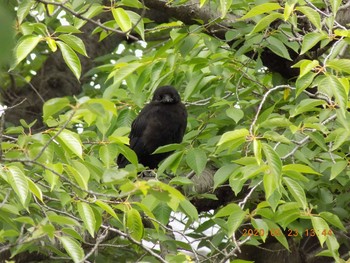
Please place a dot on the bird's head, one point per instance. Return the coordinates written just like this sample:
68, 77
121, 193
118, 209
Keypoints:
167, 95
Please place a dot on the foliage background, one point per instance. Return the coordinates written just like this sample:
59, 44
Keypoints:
262, 174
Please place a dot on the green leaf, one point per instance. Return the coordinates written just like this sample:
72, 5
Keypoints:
72, 141
299, 168
25, 45
23, 10
257, 151
162, 212
50, 177
18, 182
341, 137
87, 215
306, 66
90, 11
312, 15
123, 70
333, 219
277, 47
51, 43
78, 176
223, 174
52, 106
304, 82
122, 18
35, 189
297, 191
189, 209
265, 22
62, 220
171, 162
71, 58
134, 224
235, 114
227, 210
196, 160
235, 220
129, 154
272, 177
73, 248
276, 232
169, 148
310, 40
287, 213
319, 226
260, 9
273, 160
305, 106
67, 29
341, 97
337, 168
74, 42
288, 9
261, 225
233, 136
106, 207
340, 65
335, 4
225, 6
137, 20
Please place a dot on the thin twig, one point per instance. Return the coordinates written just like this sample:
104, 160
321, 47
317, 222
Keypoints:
262, 104
55, 136
99, 240
132, 240
306, 138
244, 201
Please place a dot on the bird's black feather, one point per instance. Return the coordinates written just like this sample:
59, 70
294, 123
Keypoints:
163, 121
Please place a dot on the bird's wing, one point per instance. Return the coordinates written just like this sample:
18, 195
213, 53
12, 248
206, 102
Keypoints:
140, 123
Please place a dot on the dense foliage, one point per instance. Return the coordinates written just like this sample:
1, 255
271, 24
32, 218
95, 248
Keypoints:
281, 145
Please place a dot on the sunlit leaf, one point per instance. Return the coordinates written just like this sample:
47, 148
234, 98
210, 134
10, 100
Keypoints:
71, 58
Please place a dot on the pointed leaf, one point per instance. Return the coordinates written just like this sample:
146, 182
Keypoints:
310, 40
196, 160
73, 248
35, 189
71, 58
18, 182
341, 65
87, 215
320, 225
260, 9
134, 224
297, 191
299, 168
122, 18
312, 15
265, 22
107, 208
52, 106
74, 42
233, 136
273, 160
72, 141
225, 6
25, 45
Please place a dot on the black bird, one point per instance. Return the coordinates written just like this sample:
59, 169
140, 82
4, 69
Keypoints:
163, 121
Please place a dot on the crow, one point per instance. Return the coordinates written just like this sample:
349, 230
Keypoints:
163, 121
